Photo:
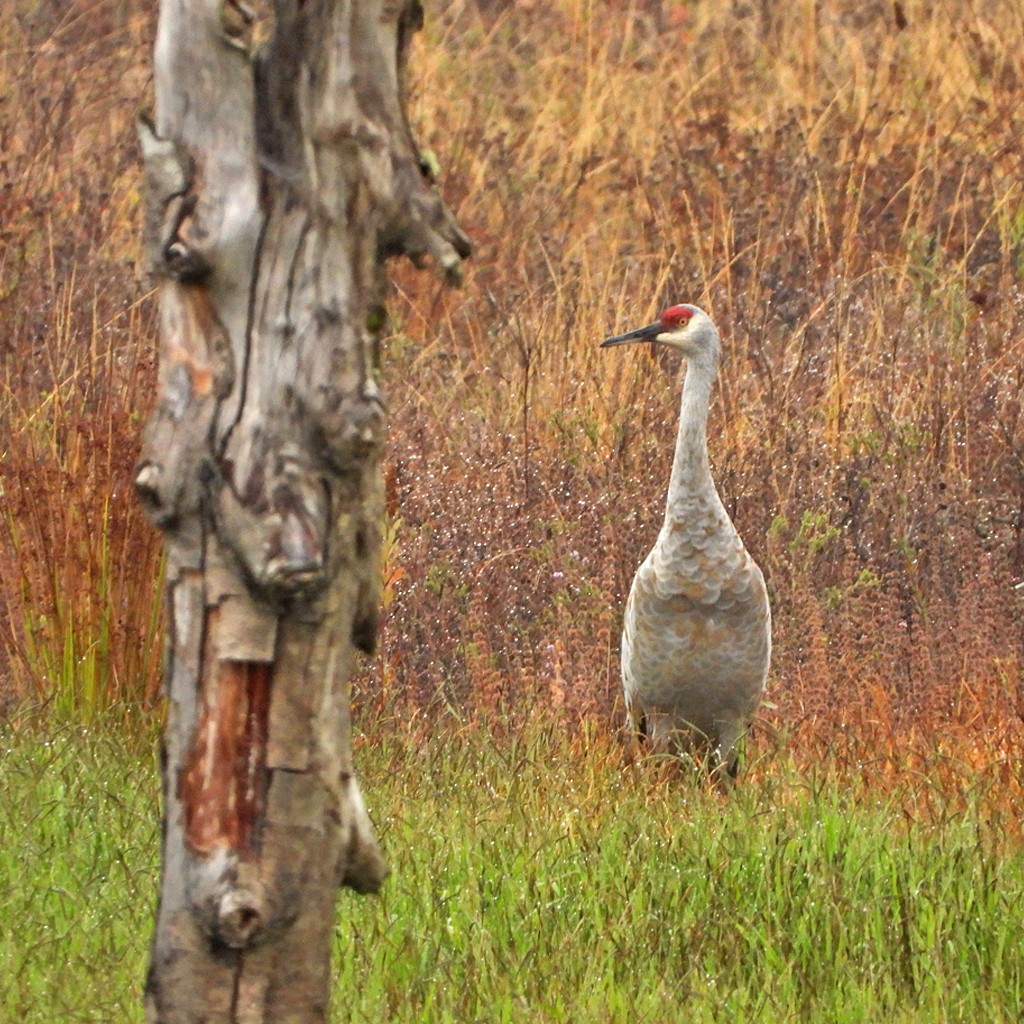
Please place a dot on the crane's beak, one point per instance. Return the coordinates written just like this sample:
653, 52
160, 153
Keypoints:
648, 333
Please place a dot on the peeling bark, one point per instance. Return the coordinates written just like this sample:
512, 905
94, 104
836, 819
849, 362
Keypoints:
280, 174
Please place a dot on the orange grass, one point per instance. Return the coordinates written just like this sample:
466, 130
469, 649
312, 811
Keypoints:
843, 194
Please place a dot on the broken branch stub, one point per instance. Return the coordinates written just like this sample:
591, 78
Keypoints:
280, 173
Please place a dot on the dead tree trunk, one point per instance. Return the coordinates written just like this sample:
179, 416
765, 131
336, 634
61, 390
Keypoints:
280, 174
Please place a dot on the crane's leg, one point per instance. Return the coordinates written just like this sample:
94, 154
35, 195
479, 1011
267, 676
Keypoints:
637, 727
724, 762
641, 726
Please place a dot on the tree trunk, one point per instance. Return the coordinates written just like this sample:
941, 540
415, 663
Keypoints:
280, 174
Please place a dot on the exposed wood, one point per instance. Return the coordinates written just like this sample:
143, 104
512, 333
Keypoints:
280, 174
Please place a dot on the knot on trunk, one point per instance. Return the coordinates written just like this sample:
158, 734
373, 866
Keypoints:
196, 373
170, 203
351, 428
276, 524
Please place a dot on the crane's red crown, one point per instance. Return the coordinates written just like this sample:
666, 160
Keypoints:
676, 315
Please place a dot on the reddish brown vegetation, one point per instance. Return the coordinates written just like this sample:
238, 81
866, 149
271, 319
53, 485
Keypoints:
844, 197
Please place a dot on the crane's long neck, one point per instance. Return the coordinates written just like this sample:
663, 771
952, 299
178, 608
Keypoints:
691, 484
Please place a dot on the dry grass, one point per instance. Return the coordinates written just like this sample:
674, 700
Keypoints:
842, 194
78, 565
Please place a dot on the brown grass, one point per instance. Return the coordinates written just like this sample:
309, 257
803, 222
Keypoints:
842, 194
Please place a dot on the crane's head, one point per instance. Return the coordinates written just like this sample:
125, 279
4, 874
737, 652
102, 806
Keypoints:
683, 327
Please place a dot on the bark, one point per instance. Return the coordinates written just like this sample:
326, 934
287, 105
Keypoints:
280, 174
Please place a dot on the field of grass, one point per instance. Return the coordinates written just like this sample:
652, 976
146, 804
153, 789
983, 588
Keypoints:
542, 878
841, 189
841, 185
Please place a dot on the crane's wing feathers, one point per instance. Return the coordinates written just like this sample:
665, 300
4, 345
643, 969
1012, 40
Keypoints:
697, 636
700, 556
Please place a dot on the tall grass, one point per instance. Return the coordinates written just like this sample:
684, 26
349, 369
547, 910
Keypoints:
79, 569
79, 572
839, 185
840, 192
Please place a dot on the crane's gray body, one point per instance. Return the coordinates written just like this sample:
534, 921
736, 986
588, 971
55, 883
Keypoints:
696, 640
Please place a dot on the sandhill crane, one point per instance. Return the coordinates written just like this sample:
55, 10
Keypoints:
696, 640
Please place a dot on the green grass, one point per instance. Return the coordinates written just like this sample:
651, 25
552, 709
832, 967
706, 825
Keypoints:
79, 856
541, 879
